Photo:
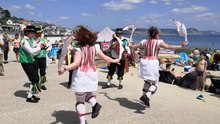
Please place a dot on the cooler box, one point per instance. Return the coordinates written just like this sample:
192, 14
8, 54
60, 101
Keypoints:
187, 68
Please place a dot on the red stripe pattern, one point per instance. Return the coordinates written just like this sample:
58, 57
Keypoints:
88, 57
152, 49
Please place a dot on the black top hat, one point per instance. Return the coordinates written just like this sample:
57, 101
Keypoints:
38, 29
119, 30
30, 28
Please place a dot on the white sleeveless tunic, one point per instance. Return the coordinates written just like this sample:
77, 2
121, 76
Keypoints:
149, 64
85, 77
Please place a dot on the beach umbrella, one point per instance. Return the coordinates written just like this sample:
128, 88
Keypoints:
181, 29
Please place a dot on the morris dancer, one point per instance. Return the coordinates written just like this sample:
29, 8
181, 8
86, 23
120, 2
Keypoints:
85, 76
27, 52
149, 64
115, 53
40, 59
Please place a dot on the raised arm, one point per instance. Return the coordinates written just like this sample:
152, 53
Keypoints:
106, 58
167, 46
135, 46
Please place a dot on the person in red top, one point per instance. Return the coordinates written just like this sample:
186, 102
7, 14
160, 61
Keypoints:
149, 63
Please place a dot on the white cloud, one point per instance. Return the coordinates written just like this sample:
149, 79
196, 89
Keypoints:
152, 18
207, 16
122, 4
31, 12
87, 14
153, 1
64, 17
14, 8
167, 2
29, 7
191, 9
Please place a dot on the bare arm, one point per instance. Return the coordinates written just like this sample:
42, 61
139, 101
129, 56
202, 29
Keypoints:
135, 46
167, 46
106, 58
74, 65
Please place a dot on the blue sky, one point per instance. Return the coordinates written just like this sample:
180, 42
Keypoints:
97, 14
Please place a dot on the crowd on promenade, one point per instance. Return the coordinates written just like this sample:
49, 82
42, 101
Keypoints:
31, 51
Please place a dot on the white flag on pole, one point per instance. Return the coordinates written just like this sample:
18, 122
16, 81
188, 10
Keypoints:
181, 29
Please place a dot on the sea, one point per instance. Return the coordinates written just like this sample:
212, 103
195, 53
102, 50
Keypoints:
211, 42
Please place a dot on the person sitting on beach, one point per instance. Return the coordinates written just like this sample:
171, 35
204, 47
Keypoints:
85, 74
201, 71
149, 63
169, 76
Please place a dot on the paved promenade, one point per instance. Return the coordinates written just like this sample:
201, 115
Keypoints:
170, 105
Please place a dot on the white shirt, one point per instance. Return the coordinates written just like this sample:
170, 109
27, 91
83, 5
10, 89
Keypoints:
26, 46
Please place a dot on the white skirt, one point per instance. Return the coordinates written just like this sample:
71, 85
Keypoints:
149, 69
84, 81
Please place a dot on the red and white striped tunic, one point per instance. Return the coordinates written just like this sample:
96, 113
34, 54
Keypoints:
85, 77
149, 64
152, 48
88, 58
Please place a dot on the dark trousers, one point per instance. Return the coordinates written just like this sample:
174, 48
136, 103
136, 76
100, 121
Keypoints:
6, 53
41, 64
70, 73
120, 69
31, 71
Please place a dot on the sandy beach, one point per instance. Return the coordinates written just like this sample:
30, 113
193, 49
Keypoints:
170, 105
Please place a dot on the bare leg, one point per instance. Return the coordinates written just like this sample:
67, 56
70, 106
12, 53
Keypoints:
203, 83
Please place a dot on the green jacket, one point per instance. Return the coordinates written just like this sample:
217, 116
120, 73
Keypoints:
42, 53
26, 57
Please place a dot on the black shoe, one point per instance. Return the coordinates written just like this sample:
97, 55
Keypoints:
95, 110
43, 87
120, 86
37, 98
32, 100
145, 100
69, 85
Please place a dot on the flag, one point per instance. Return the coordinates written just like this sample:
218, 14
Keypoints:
181, 29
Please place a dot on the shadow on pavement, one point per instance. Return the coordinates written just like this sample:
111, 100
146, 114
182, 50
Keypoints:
21, 93
65, 84
65, 117
104, 85
27, 84
138, 107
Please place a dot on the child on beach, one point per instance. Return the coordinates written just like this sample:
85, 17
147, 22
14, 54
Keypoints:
85, 76
200, 71
149, 63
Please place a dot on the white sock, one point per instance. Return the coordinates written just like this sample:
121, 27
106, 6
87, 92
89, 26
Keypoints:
120, 83
152, 88
92, 101
81, 110
109, 82
30, 91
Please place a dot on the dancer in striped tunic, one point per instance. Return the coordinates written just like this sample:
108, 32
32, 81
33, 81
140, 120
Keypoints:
85, 76
149, 63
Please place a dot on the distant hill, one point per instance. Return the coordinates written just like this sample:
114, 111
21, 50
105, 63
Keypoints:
190, 31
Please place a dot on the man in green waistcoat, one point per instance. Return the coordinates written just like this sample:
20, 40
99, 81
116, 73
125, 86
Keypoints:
40, 59
27, 52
